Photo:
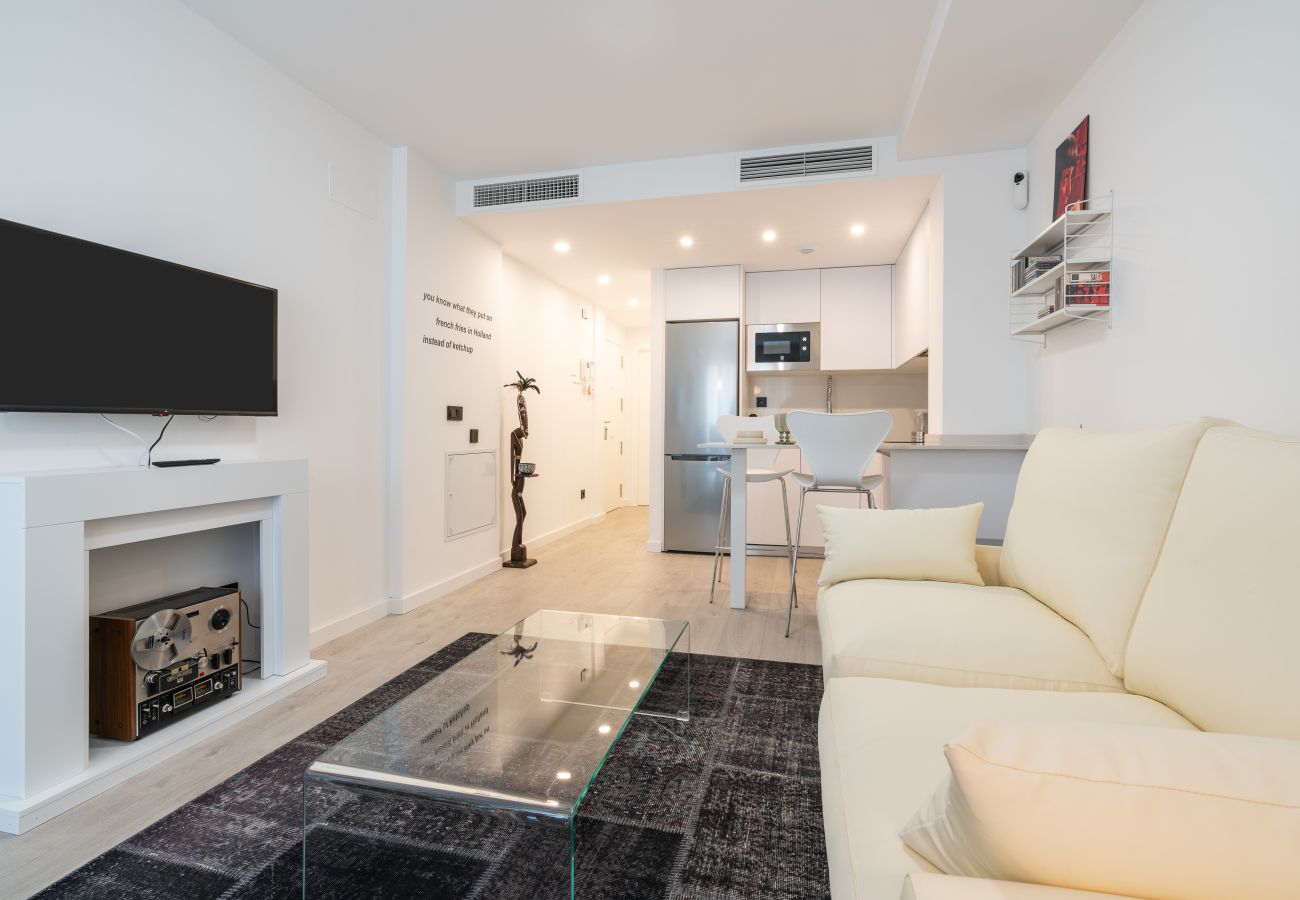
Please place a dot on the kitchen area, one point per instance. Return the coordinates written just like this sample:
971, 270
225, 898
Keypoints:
839, 339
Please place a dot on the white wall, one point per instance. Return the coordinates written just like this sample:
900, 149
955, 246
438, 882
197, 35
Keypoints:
436, 255
545, 336
1194, 125
140, 125
980, 379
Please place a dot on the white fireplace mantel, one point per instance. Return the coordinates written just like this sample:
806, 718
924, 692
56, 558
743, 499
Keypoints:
49, 524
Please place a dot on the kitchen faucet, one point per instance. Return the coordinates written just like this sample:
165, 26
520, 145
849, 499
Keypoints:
828, 393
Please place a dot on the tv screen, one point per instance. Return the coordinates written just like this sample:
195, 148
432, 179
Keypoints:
89, 328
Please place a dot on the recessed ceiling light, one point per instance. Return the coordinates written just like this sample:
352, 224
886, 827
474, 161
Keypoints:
769, 235
564, 776
561, 246
632, 301
603, 729
634, 684
686, 240
602, 279
858, 229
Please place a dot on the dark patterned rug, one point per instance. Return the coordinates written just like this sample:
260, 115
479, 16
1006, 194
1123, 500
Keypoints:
725, 806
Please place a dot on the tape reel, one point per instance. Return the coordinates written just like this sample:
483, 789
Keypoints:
161, 640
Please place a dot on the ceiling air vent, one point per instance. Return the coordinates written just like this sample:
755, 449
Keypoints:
807, 164
526, 190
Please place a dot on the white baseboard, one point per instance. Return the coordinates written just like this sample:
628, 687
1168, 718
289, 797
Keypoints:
654, 546
542, 540
400, 605
339, 627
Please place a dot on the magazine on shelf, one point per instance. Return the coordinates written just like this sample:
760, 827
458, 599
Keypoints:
1099, 277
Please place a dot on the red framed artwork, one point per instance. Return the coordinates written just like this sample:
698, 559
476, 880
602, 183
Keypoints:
1071, 170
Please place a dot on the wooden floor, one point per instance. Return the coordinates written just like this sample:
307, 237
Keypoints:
604, 568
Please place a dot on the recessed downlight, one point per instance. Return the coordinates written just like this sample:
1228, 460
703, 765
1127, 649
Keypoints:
563, 776
562, 247
857, 229
603, 729
634, 684
602, 279
769, 235
632, 301
686, 240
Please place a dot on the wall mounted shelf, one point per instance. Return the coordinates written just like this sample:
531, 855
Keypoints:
1083, 240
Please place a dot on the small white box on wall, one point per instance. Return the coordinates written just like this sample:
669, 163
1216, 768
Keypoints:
471, 489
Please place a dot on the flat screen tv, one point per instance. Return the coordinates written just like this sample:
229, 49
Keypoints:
89, 328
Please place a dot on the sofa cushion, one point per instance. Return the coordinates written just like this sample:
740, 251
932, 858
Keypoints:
1217, 632
1156, 812
954, 634
881, 747
911, 544
928, 886
1090, 513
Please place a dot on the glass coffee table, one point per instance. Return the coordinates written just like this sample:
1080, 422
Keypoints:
518, 728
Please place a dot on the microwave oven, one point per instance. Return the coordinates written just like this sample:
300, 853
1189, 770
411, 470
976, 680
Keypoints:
784, 348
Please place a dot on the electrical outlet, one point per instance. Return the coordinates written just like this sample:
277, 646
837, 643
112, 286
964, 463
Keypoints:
455, 413
760, 402
582, 493
473, 435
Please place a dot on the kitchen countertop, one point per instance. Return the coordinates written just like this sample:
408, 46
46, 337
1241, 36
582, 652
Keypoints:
932, 442
963, 442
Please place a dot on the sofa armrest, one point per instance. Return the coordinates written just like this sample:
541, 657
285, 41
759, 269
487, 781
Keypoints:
951, 887
987, 558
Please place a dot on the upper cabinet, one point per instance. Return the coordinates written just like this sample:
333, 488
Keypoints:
710, 292
857, 318
912, 294
773, 298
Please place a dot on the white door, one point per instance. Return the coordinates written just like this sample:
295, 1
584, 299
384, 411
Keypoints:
610, 390
642, 408
857, 318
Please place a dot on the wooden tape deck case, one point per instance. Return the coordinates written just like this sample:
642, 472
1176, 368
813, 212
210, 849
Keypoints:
155, 663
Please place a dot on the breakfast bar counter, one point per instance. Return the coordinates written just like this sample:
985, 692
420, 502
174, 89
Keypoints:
917, 476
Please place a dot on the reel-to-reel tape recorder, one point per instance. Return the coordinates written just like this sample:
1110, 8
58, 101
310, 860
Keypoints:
156, 662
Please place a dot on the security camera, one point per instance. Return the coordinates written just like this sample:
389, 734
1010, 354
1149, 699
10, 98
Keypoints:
1020, 190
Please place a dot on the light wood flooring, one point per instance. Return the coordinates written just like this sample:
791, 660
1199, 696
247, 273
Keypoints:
603, 568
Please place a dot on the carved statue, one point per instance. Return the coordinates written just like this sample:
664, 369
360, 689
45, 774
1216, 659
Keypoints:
519, 471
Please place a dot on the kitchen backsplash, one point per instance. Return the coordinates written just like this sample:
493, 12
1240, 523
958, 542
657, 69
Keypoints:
849, 392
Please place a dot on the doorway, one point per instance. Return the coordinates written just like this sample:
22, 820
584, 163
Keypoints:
611, 389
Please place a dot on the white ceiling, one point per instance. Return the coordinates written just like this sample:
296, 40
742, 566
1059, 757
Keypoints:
627, 240
997, 68
489, 88
509, 87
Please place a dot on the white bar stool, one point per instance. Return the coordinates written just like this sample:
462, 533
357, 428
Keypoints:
838, 447
728, 426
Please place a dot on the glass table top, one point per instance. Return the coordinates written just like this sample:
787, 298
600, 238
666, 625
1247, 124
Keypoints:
524, 722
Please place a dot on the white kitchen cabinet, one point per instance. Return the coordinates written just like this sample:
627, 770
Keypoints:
764, 516
812, 537
912, 295
708, 292
857, 318
773, 298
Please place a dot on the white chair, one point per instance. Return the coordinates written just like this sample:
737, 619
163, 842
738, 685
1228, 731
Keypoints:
728, 426
837, 447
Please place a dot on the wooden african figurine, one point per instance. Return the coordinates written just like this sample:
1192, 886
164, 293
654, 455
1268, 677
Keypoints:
519, 471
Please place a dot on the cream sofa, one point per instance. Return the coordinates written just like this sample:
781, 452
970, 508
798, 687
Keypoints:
1147, 578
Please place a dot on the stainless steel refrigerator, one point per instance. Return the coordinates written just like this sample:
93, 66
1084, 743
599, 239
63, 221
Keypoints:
702, 376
